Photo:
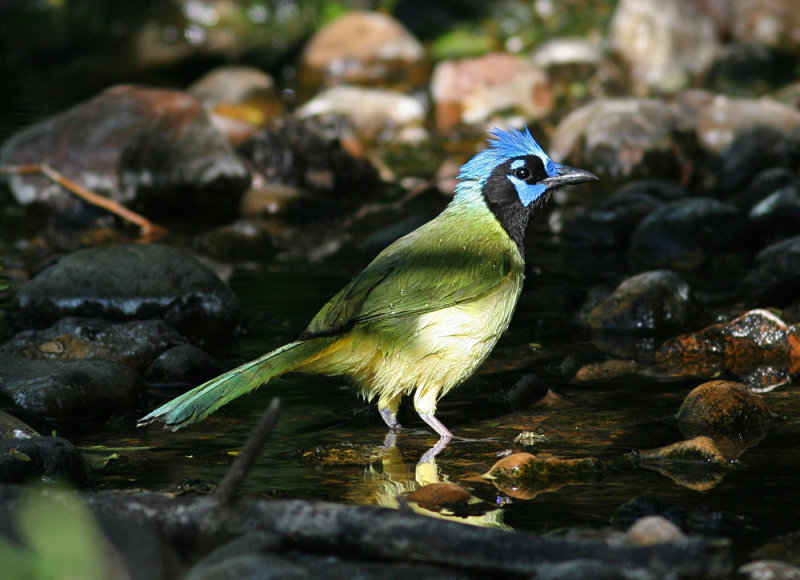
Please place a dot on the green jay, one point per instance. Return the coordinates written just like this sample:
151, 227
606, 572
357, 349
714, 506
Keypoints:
427, 311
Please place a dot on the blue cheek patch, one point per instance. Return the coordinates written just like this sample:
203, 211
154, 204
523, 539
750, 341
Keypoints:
527, 192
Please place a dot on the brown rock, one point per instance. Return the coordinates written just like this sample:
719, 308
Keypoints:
726, 411
367, 48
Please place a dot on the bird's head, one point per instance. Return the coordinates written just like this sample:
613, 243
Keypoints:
516, 169
514, 177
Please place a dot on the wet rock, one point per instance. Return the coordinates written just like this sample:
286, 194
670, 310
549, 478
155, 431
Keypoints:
736, 129
687, 233
239, 100
376, 114
153, 149
610, 222
135, 344
524, 475
470, 90
451, 501
778, 215
183, 365
651, 530
763, 185
624, 139
364, 48
665, 45
758, 347
696, 463
70, 391
46, 458
526, 391
768, 570
773, 24
728, 412
748, 70
315, 156
131, 282
775, 279
243, 240
692, 520
658, 301
13, 428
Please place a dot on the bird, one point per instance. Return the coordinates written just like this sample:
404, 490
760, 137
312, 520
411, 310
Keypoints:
423, 315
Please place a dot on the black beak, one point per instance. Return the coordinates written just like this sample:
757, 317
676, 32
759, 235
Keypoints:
568, 176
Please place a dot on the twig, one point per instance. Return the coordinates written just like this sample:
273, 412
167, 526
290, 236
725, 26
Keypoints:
148, 228
244, 463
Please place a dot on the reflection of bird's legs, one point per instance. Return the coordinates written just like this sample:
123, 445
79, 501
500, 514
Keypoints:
430, 454
388, 405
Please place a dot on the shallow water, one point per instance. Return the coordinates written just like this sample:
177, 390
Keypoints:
329, 444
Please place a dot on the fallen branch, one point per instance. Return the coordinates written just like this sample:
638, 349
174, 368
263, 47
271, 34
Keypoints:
149, 229
244, 462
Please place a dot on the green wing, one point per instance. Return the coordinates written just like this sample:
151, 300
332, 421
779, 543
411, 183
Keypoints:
438, 265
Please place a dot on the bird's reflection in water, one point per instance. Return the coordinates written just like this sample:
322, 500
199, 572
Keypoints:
423, 488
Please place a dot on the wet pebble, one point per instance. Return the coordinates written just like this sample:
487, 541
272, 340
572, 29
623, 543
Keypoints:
696, 463
70, 392
748, 69
726, 411
651, 530
153, 148
131, 282
45, 458
135, 344
687, 233
656, 301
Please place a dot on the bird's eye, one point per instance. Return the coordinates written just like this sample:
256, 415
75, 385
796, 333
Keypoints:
522, 173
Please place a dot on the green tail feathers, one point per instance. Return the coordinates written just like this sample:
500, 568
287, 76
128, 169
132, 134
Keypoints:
200, 402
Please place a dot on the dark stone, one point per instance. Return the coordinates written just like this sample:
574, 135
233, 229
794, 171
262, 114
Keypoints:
70, 391
778, 215
155, 150
754, 150
685, 234
610, 222
183, 365
142, 547
749, 69
244, 240
659, 301
49, 458
135, 344
131, 282
763, 185
526, 391
775, 280
310, 155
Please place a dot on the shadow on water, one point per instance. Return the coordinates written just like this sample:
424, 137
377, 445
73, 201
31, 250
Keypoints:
329, 445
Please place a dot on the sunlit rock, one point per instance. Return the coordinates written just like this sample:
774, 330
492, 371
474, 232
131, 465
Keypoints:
696, 463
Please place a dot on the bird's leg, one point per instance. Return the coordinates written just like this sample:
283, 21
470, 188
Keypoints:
388, 405
436, 425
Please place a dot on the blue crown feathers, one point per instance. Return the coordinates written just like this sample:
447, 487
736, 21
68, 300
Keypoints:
506, 145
